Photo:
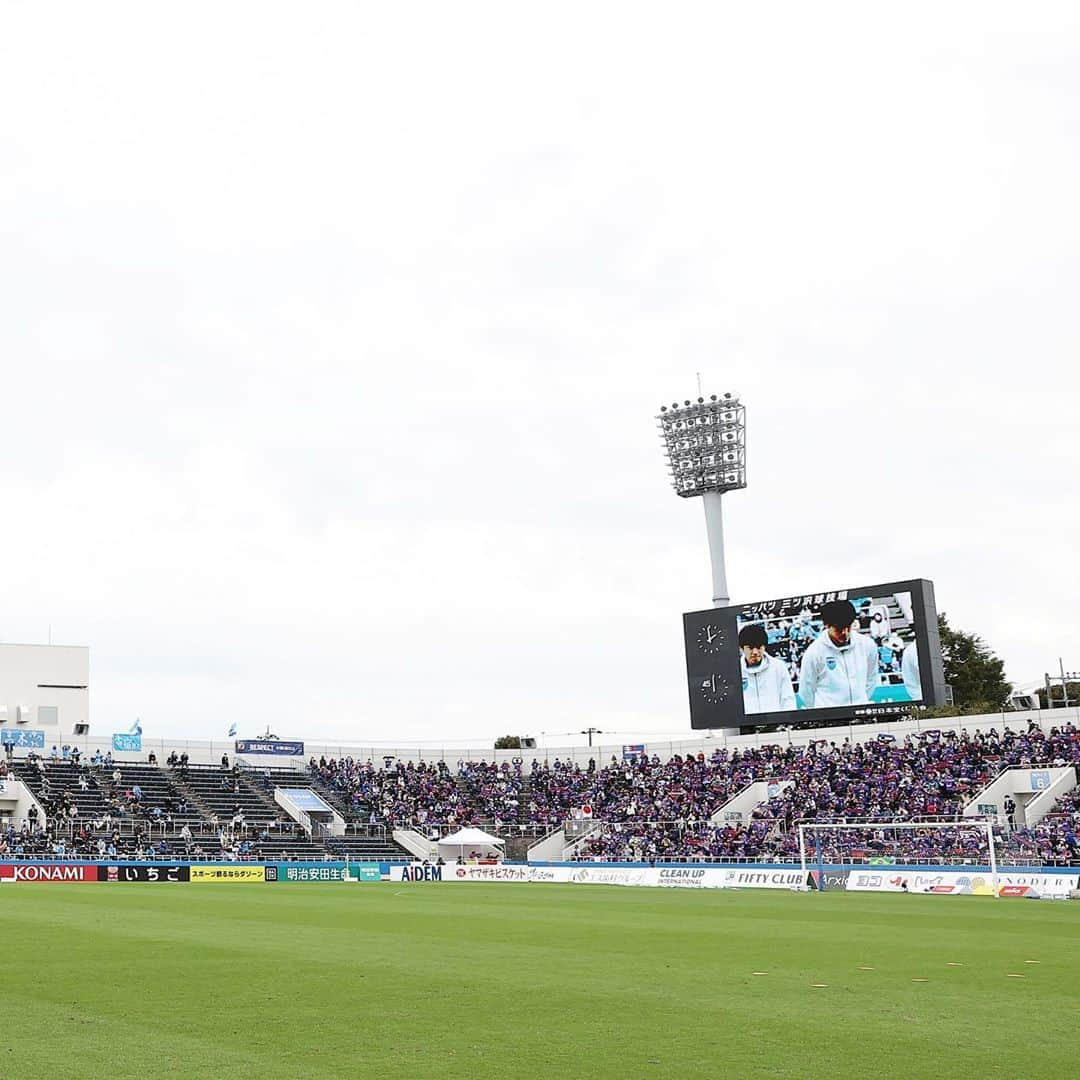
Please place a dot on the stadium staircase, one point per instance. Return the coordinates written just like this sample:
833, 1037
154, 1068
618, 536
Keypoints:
178, 778
334, 796
361, 843
225, 793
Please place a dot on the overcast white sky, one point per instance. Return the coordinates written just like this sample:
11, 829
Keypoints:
332, 336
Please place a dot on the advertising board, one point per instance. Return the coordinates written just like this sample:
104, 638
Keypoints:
235, 874
501, 872
368, 871
142, 872
308, 872
834, 655
960, 883
48, 872
750, 878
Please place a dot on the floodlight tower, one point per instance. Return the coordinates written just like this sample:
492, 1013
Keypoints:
705, 443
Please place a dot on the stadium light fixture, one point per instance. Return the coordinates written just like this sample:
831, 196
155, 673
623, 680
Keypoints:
705, 445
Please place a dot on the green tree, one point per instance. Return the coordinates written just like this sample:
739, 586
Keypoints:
976, 675
508, 742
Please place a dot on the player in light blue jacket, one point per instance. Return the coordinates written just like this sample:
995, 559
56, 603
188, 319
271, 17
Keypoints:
909, 667
841, 666
765, 680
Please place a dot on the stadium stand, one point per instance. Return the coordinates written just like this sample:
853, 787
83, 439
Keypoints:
926, 779
104, 809
652, 809
638, 809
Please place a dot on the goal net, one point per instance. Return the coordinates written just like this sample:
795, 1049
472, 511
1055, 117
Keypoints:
908, 843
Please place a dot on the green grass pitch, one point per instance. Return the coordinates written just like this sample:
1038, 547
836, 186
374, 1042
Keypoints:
494, 980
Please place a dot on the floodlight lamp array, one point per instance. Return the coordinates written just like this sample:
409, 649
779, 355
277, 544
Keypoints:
705, 444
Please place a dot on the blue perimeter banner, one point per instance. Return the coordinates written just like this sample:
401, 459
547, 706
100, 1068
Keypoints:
23, 737
291, 748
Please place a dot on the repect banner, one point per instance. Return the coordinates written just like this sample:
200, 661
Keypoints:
289, 747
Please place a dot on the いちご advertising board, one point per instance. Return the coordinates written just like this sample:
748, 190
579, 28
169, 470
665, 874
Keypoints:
148, 873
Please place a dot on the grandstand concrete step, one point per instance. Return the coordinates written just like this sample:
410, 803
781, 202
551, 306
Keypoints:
333, 796
517, 848
179, 780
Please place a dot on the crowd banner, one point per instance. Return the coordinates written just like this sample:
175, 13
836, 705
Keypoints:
127, 743
286, 747
232, 873
29, 737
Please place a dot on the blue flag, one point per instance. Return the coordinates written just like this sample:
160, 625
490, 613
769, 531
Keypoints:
136, 728
232, 731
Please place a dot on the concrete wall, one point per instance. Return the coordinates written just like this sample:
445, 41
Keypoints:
739, 808
205, 751
16, 800
1017, 783
35, 680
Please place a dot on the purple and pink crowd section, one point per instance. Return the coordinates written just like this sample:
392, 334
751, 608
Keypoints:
647, 809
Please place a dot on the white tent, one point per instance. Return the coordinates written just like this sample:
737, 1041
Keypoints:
466, 841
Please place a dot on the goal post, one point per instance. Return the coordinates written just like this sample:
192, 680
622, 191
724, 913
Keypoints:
815, 828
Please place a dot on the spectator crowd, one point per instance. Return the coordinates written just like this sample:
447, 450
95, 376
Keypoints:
637, 808
647, 808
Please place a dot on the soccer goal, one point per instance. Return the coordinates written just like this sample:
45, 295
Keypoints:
824, 842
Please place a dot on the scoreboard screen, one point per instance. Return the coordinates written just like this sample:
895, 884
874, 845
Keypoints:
829, 655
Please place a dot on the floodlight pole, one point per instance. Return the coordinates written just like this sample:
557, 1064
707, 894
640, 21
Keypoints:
705, 445
714, 526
